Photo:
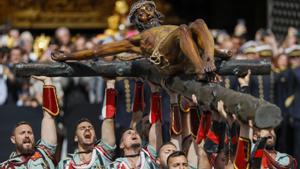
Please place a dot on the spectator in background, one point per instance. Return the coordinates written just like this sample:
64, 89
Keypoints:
281, 62
15, 57
239, 35
226, 43
281, 92
221, 37
268, 38
26, 43
293, 100
3, 86
248, 50
63, 36
290, 39
14, 38
237, 42
240, 29
90, 83
5, 74
19, 86
80, 43
76, 88
11, 39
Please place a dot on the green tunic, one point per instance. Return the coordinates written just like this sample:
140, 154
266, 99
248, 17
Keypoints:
42, 158
147, 156
102, 155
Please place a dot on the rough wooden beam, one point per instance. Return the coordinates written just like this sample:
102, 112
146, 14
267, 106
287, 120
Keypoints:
263, 114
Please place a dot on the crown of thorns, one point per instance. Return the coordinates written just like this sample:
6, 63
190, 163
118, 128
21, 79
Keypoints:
138, 5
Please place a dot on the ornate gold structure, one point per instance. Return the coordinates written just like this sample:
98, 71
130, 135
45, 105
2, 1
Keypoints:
81, 14
41, 44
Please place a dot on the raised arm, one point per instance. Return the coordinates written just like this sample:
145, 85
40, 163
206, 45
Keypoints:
138, 107
244, 83
155, 117
242, 158
175, 121
102, 50
108, 114
243, 152
50, 110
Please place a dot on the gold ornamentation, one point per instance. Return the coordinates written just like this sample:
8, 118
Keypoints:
69, 13
272, 87
127, 95
121, 7
227, 83
40, 45
260, 86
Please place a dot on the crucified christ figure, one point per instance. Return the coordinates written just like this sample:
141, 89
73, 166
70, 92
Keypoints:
173, 49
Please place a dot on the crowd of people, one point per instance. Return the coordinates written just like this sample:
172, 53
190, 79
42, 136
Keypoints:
213, 139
